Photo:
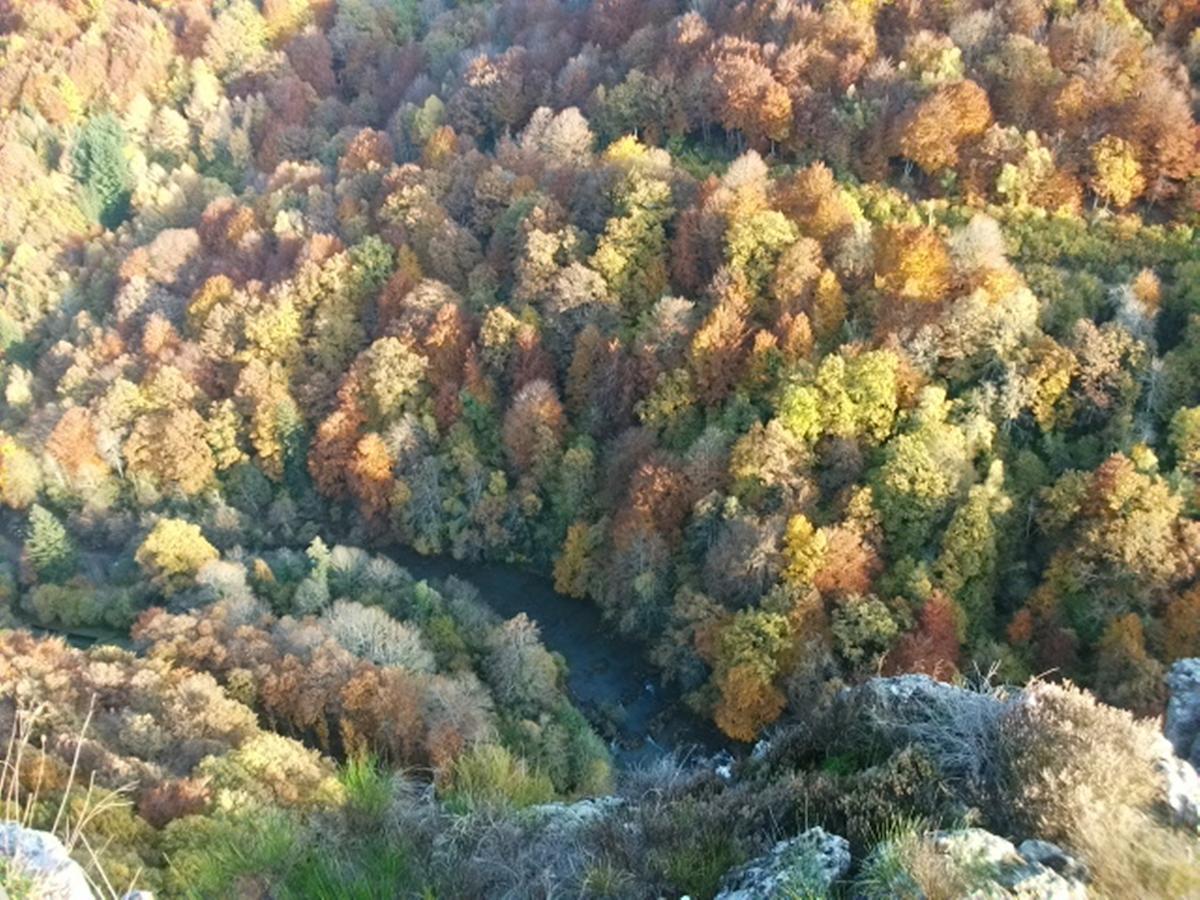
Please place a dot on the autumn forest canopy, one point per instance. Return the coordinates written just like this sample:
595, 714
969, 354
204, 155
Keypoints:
807, 341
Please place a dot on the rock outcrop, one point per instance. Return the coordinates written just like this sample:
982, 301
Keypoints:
1182, 726
561, 821
902, 708
806, 865
1054, 857
1037, 871
1181, 748
41, 860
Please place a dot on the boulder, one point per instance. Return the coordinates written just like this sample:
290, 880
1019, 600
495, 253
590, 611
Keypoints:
1054, 857
41, 859
971, 847
1180, 754
723, 763
561, 821
1182, 725
806, 865
1181, 787
900, 708
1038, 871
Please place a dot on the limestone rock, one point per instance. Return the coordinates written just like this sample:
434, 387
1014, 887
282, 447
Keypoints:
808, 864
1054, 857
1181, 787
1039, 871
897, 706
562, 820
42, 859
1182, 726
976, 846
1180, 754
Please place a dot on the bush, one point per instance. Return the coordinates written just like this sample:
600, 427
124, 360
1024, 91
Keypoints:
563, 746
1063, 753
271, 769
905, 787
1083, 774
15, 882
207, 856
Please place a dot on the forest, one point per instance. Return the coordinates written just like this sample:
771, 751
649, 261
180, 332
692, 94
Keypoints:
813, 344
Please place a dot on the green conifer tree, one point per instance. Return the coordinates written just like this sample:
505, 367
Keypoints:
103, 170
49, 547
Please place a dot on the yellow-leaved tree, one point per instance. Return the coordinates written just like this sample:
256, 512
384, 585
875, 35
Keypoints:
173, 552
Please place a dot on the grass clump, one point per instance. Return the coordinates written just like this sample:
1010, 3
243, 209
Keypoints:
696, 866
378, 868
907, 865
489, 776
15, 882
692, 846
215, 856
368, 786
604, 879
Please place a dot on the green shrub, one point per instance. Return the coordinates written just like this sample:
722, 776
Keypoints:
15, 883
562, 745
906, 786
489, 776
207, 856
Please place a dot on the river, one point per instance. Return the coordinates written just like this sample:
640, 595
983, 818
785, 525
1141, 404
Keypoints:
608, 677
606, 671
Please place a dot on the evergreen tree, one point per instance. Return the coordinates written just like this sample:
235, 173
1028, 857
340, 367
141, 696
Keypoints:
103, 170
48, 547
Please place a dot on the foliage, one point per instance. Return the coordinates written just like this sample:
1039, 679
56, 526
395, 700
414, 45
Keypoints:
102, 168
1083, 774
805, 340
173, 552
49, 547
490, 776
